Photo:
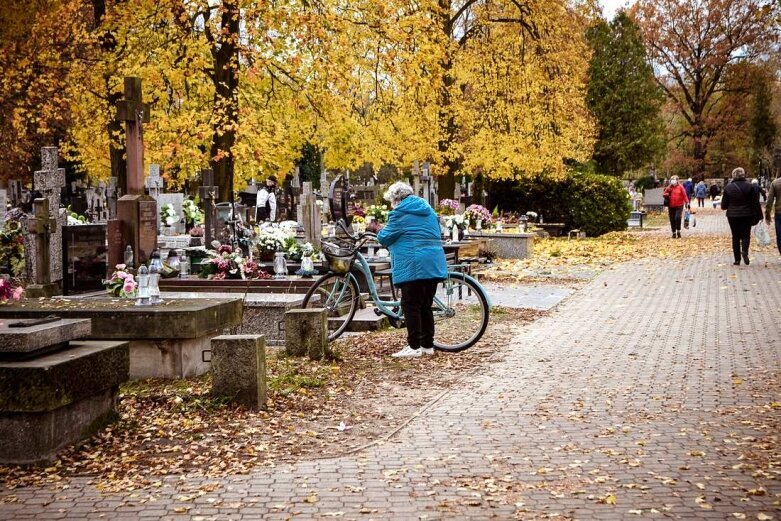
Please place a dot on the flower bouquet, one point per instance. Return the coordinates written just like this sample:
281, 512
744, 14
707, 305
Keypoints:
193, 216
12, 244
478, 215
449, 207
378, 212
271, 239
122, 283
225, 263
296, 251
9, 290
168, 215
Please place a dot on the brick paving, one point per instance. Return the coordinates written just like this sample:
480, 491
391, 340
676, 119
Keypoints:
631, 392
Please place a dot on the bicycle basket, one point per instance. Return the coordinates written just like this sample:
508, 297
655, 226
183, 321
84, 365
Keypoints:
340, 257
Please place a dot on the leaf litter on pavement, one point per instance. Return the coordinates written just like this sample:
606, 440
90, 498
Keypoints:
315, 409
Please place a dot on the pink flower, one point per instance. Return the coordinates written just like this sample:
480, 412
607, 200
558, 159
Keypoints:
129, 278
2, 282
121, 267
129, 287
121, 274
18, 292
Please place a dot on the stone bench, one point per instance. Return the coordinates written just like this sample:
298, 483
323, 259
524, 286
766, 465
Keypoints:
166, 341
511, 245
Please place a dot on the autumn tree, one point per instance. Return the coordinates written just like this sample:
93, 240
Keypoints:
764, 129
35, 54
693, 45
624, 97
512, 91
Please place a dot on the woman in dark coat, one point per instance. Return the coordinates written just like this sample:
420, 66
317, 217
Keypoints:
741, 200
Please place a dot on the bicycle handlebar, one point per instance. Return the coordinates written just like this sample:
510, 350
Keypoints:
365, 235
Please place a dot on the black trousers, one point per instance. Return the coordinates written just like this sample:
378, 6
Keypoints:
417, 297
741, 235
676, 214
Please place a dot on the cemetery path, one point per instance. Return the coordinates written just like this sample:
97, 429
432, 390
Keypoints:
653, 392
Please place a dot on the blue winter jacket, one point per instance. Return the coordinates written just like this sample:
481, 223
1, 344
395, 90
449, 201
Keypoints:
413, 238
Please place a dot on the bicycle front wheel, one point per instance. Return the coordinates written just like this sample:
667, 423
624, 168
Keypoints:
460, 314
339, 295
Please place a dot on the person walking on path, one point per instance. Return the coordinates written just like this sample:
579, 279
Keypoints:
688, 185
740, 200
676, 194
714, 191
412, 234
773, 205
700, 192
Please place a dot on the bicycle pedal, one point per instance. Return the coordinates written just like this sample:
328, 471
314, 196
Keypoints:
397, 323
378, 312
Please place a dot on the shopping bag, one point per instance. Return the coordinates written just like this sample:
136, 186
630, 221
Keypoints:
686, 218
692, 221
762, 234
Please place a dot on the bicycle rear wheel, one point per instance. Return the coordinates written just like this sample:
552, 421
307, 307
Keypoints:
339, 295
460, 314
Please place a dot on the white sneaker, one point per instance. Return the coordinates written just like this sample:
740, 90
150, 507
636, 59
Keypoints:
408, 352
427, 350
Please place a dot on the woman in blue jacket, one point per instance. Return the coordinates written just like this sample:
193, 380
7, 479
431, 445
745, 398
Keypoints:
418, 263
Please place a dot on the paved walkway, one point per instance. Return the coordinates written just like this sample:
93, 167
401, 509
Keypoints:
651, 393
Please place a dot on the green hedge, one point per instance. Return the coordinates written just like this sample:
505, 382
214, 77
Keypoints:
594, 204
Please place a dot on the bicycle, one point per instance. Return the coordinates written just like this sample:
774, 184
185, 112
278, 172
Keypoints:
461, 304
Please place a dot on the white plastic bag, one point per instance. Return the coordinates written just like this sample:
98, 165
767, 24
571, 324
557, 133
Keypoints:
692, 221
762, 234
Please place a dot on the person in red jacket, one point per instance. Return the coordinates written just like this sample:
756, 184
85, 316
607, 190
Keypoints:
678, 199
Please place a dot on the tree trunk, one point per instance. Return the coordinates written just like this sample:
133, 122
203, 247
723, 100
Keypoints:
225, 117
114, 127
445, 117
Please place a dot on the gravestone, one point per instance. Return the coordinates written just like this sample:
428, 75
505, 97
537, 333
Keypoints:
310, 216
209, 194
111, 196
50, 181
136, 211
653, 198
85, 258
54, 390
41, 227
341, 201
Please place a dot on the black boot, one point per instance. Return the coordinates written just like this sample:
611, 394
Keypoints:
745, 258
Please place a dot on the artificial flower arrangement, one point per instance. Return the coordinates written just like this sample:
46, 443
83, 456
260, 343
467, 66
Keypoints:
10, 290
359, 211
378, 212
449, 207
122, 283
168, 215
75, 219
224, 263
193, 216
458, 219
476, 212
296, 251
272, 238
12, 243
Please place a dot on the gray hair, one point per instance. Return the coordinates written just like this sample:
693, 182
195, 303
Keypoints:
397, 191
739, 173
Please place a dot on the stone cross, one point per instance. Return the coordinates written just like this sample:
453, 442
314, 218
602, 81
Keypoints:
154, 183
42, 226
209, 194
134, 112
50, 181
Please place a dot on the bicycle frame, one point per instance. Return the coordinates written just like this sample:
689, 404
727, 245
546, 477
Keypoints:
386, 306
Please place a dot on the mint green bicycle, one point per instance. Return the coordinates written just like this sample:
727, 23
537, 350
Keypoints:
461, 305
